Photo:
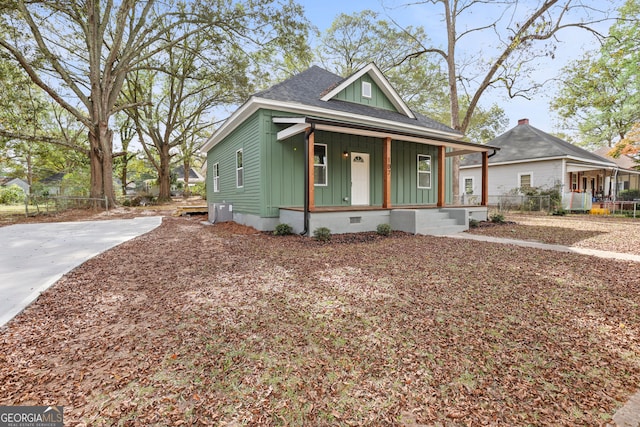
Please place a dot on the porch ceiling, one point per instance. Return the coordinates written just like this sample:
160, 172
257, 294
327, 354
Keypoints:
300, 124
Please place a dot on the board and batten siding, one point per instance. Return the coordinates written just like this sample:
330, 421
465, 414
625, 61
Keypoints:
504, 178
353, 93
245, 137
282, 167
404, 174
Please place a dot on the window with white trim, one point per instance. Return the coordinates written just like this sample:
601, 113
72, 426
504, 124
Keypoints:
216, 178
320, 164
468, 185
366, 90
239, 169
424, 171
525, 180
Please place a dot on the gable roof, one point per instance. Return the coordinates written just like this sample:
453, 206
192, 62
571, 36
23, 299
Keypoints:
623, 161
193, 174
382, 82
525, 143
313, 92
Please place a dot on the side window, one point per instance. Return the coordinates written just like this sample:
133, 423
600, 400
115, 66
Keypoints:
239, 170
525, 180
216, 178
320, 164
366, 90
424, 171
468, 186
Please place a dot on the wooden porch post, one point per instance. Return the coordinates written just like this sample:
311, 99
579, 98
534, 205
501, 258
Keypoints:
485, 179
442, 182
386, 173
311, 180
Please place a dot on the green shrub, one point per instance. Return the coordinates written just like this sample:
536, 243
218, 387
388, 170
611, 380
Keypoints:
11, 195
283, 230
322, 234
384, 229
628, 195
559, 212
473, 223
200, 189
497, 218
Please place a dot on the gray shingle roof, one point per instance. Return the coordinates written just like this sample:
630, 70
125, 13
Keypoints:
525, 142
624, 161
310, 85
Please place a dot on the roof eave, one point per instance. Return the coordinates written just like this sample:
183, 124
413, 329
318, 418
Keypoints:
255, 103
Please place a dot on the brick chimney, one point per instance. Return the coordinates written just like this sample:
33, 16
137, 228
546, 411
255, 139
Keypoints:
523, 122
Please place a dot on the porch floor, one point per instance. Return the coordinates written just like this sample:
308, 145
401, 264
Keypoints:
323, 209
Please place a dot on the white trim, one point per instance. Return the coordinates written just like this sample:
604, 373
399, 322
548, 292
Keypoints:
382, 82
239, 169
418, 171
215, 172
521, 174
464, 185
370, 133
366, 90
291, 131
325, 165
585, 162
254, 104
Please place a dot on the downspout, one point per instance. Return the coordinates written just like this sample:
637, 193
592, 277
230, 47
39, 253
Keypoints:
492, 154
307, 134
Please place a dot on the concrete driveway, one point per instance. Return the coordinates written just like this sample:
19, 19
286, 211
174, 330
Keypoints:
34, 256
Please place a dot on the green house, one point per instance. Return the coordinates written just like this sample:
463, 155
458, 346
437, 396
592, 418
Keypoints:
320, 150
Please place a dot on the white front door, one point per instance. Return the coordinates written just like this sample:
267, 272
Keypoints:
360, 179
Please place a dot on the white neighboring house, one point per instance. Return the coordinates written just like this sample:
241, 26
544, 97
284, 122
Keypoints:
8, 182
529, 157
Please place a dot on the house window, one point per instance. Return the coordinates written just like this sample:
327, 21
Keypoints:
424, 171
216, 178
320, 164
525, 180
239, 170
574, 181
366, 90
468, 186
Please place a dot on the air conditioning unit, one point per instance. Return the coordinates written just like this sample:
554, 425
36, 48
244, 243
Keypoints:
222, 212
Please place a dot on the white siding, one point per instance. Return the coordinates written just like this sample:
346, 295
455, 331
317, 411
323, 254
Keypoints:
503, 178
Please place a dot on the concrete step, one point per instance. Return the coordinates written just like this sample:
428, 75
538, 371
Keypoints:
441, 230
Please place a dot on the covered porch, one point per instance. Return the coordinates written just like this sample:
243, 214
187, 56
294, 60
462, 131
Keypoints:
361, 214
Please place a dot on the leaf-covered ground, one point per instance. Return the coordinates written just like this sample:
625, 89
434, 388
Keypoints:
219, 325
604, 233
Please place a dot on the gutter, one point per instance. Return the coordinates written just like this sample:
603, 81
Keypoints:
307, 134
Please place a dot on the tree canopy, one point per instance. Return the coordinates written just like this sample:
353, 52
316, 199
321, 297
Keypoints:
599, 96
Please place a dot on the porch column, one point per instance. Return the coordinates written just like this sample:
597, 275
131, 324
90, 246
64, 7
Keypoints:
311, 180
484, 198
442, 183
386, 173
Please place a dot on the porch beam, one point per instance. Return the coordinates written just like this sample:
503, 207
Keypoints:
311, 179
442, 183
484, 198
291, 131
386, 173
460, 153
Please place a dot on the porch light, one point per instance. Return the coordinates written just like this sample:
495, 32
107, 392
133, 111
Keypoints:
345, 154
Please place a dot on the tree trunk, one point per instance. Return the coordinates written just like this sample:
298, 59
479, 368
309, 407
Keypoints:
164, 174
187, 171
101, 162
453, 94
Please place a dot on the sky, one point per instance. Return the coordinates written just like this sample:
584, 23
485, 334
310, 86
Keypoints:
571, 45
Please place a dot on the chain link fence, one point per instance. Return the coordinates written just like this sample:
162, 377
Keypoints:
42, 205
